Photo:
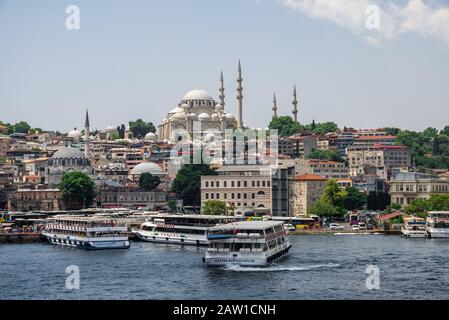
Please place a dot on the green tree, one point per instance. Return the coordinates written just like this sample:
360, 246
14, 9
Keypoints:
214, 207
378, 200
321, 128
187, 183
77, 190
331, 155
353, 199
148, 181
418, 206
21, 127
391, 131
172, 205
140, 128
285, 125
332, 193
323, 208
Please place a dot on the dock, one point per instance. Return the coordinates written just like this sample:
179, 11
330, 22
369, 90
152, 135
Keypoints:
21, 237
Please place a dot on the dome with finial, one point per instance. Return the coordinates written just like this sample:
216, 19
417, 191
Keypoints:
197, 94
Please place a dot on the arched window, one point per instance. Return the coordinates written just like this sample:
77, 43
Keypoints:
260, 193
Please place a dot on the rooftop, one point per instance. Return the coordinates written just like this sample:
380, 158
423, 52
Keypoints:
309, 177
248, 225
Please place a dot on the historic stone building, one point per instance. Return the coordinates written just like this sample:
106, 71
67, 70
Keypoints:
35, 199
305, 190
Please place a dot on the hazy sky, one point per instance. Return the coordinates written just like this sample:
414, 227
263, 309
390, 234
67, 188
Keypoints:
136, 59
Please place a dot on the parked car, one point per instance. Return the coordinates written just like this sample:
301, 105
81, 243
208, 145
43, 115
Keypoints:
362, 226
289, 227
369, 226
335, 226
355, 227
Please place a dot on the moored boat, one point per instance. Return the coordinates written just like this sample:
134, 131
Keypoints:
92, 233
414, 227
438, 224
246, 243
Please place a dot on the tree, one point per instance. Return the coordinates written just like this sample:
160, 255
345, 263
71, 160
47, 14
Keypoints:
77, 190
148, 182
172, 205
140, 128
378, 200
285, 125
391, 131
323, 208
418, 206
332, 193
353, 199
330, 155
321, 128
21, 127
214, 207
187, 183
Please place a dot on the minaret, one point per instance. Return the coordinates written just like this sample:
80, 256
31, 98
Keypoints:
239, 97
295, 105
222, 95
86, 135
275, 108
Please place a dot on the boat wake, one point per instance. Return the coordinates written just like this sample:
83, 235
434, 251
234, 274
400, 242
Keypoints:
280, 268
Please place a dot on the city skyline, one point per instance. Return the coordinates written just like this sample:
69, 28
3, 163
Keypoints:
129, 62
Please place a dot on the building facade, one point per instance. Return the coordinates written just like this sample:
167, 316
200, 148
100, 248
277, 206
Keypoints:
35, 199
408, 186
244, 188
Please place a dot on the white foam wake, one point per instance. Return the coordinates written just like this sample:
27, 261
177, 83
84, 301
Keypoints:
279, 268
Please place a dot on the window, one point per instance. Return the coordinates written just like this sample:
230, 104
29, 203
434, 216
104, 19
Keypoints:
211, 184
217, 195
225, 184
207, 196
238, 184
207, 184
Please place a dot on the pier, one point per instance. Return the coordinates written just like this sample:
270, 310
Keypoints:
21, 237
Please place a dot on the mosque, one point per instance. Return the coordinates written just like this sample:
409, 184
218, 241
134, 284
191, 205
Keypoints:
199, 105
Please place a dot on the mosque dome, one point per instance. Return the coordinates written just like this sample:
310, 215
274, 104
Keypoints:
110, 129
203, 116
214, 116
218, 106
147, 167
197, 94
176, 110
68, 153
178, 116
75, 133
150, 136
229, 116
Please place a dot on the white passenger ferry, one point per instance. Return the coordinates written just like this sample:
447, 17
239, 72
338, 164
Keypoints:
438, 224
246, 243
86, 232
414, 227
179, 229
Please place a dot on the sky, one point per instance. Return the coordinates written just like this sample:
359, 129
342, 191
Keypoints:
137, 59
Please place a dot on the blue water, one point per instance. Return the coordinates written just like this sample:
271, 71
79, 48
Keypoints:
319, 267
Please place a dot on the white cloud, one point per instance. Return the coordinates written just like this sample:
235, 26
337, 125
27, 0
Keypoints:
416, 16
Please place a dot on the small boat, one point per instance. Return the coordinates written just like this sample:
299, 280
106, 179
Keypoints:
414, 227
246, 244
438, 224
91, 233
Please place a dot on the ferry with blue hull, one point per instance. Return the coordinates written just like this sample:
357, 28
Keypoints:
90, 233
246, 244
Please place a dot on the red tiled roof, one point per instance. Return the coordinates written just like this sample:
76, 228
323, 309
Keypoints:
390, 215
309, 177
376, 137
